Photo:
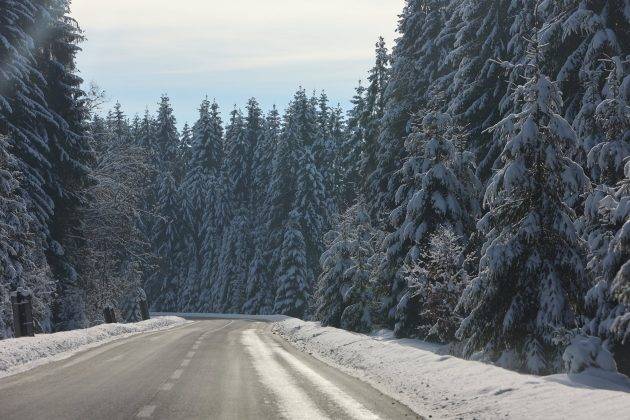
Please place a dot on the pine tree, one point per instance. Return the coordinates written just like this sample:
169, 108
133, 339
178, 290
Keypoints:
359, 297
531, 276
230, 281
292, 295
260, 290
605, 212
419, 24
332, 282
361, 147
184, 153
69, 155
351, 151
260, 285
310, 206
166, 236
374, 108
432, 196
617, 272
438, 281
23, 107
476, 84
229, 288
299, 131
22, 263
345, 293
579, 36
201, 193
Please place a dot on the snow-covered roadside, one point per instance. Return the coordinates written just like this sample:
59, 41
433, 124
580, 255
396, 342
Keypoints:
442, 386
203, 315
21, 354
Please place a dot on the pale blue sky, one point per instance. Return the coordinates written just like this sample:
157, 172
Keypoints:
229, 50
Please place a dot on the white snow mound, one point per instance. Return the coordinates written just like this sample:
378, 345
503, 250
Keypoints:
20, 354
441, 386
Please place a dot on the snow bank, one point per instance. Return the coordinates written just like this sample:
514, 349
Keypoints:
203, 315
20, 354
442, 386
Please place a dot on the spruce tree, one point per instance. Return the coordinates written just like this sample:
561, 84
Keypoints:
351, 151
438, 280
292, 295
370, 118
200, 187
260, 283
166, 235
476, 83
310, 205
415, 49
531, 276
22, 263
230, 280
579, 37
332, 282
605, 212
432, 196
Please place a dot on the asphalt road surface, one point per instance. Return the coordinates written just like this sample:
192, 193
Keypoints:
209, 369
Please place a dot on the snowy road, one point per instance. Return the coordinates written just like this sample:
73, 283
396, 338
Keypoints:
210, 369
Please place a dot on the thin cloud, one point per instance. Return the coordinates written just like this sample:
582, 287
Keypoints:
188, 45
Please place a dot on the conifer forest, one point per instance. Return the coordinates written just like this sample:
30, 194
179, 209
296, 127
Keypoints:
476, 193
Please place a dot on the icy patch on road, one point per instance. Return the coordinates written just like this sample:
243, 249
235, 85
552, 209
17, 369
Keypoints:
21, 354
353, 408
292, 401
421, 376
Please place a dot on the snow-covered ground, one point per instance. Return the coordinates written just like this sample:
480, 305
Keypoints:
436, 385
21, 354
203, 315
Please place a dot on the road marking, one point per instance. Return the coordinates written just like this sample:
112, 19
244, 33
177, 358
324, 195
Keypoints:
167, 386
352, 407
190, 355
146, 412
115, 359
177, 374
195, 347
219, 329
92, 353
292, 400
186, 362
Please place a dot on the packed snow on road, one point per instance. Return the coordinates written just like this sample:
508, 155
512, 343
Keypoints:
432, 383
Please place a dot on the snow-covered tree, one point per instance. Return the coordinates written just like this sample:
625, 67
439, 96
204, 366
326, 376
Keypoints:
474, 87
117, 254
604, 209
531, 276
299, 130
350, 152
438, 280
433, 194
201, 193
359, 298
22, 263
230, 283
579, 36
332, 282
414, 66
166, 235
310, 205
292, 296
260, 289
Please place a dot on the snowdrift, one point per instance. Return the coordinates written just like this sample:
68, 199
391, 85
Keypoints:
441, 386
209, 315
20, 354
